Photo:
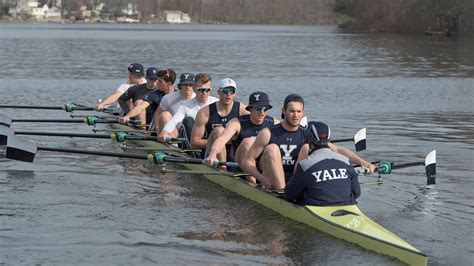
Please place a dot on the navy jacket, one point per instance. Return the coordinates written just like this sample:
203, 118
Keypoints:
325, 178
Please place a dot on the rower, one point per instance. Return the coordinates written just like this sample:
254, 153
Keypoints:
276, 151
147, 104
212, 119
325, 177
243, 129
135, 77
186, 113
170, 103
137, 92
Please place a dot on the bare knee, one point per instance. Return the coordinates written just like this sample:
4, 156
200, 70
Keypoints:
216, 132
271, 151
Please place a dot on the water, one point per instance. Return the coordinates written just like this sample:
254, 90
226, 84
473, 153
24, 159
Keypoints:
413, 93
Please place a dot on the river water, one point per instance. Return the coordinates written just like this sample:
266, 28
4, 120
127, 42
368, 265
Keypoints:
412, 93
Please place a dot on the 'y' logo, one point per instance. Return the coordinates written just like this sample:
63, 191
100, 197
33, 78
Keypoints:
256, 97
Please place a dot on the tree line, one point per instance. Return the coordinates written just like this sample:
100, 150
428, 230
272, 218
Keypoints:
440, 17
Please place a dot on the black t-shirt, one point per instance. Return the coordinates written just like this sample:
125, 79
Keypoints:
135, 93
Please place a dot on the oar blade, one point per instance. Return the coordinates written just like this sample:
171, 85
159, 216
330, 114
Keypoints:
5, 134
360, 140
5, 120
430, 166
20, 149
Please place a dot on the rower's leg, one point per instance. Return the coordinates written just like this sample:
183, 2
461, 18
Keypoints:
272, 167
188, 123
244, 146
162, 120
142, 115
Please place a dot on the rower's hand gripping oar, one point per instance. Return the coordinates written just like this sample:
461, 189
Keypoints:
386, 167
23, 150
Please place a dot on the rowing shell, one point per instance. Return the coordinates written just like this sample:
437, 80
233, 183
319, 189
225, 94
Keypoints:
345, 222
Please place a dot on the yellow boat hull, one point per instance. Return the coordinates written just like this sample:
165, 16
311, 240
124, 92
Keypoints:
345, 222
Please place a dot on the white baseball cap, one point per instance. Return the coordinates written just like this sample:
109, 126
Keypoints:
227, 82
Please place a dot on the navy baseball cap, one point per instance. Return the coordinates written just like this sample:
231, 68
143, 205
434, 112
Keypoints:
258, 99
136, 68
186, 79
152, 73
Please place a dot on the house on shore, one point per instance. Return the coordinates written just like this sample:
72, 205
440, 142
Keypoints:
175, 17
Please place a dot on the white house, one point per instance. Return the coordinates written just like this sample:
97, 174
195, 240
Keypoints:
176, 16
46, 13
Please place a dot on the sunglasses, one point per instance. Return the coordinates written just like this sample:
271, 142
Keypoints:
228, 90
262, 109
203, 89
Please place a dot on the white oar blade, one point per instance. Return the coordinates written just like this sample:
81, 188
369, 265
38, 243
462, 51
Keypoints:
304, 121
430, 166
5, 133
360, 140
20, 149
5, 120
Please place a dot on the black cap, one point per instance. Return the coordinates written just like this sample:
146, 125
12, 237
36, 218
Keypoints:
293, 98
186, 79
258, 99
136, 68
152, 73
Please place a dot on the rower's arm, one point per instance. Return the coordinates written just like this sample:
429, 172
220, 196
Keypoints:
123, 100
232, 128
296, 186
109, 100
355, 186
138, 109
353, 158
199, 128
249, 165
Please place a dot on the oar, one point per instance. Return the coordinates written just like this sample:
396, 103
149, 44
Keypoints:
359, 140
6, 131
23, 150
90, 120
190, 172
161, 149
386, 167
69, 107
122, 136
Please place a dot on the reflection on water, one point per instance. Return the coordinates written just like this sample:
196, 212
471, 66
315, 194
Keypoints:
413, 93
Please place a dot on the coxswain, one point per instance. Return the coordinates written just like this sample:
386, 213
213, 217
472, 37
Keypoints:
325, 177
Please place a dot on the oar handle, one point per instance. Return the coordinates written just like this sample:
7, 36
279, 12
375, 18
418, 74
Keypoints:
168, 140
160, 158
